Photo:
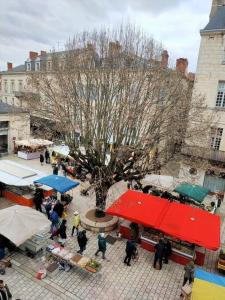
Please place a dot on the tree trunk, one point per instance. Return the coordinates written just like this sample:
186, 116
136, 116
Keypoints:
101, 195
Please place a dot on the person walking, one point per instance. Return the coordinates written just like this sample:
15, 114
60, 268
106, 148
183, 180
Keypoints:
159, 253
42, 159
64, 170
62, 233
38, 198
82, 241
47, 156
75, 222
101, 245
55, 170
167, 250
189, 272
54, 218
4, 291
130, 251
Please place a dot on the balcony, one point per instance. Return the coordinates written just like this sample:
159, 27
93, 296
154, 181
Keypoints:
209, 154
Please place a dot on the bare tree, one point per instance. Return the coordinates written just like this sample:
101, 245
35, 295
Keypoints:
130, 109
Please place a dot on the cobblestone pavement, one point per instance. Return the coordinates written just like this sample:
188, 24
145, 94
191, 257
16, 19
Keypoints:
114, 281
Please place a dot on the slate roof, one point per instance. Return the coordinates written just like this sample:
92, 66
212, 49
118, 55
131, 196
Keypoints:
217, 22
6, 109
20, 68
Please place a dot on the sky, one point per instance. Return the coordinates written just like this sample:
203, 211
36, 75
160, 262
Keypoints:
30, 25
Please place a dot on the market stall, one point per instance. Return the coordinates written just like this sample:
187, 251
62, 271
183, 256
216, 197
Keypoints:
59, 183
162, 182
198, 195
32, 148
18, 182
208, 286
24, 227
183, 225
66, 257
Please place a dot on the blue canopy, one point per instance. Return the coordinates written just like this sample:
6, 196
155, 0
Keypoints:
59, 183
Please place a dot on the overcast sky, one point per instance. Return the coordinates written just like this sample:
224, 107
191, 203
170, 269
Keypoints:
41, 25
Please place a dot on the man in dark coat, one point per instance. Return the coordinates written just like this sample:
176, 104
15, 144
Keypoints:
47, 156
38, 198
101, 245
167, 250
82, 241
130, 251
159, 252
62, 233
55, 170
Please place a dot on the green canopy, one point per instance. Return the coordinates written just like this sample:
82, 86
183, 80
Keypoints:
195, 192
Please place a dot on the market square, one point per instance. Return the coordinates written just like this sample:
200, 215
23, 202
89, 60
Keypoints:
112, 150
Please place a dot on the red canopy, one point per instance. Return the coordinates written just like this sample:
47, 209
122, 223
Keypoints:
192, 224
182, 221
139, 207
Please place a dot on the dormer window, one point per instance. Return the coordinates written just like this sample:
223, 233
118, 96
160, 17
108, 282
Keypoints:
28, 66
37, 66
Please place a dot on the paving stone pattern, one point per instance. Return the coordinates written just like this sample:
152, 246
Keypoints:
115, 281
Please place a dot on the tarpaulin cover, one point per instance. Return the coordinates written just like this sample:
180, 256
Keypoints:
185, 222
208, 286
195, 192
58, 183
192, 224
139, 207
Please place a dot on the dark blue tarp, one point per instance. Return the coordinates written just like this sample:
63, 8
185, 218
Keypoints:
59, 183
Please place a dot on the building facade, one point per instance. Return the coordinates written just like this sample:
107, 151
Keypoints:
210, 83
14, 125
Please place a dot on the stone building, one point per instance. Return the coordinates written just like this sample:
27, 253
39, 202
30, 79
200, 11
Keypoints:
14, 125
210, 83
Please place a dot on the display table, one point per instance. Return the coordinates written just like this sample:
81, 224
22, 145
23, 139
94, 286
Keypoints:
36, 243
28, 155
65, 256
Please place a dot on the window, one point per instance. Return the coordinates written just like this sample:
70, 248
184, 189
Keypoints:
28, 66
12, 86
6, 99
20, 85
13, 102
220, 99
4, 124
6, 86
37, 66
216, 136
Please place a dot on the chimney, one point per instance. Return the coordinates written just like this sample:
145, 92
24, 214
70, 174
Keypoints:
9, 66
164, 59
182, 65
215, 5
43, 53
33, 55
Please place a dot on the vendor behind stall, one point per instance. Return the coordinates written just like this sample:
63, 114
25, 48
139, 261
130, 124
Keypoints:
38, 198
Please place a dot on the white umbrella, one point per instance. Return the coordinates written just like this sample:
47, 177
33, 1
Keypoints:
161, 181
19, 223
61, 150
